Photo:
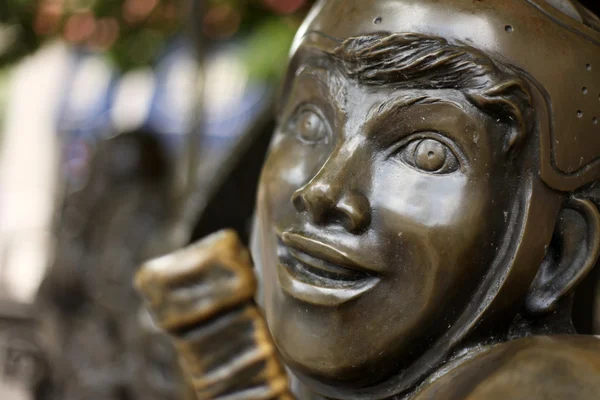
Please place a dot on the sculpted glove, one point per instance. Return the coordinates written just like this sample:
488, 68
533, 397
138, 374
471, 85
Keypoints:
203, 296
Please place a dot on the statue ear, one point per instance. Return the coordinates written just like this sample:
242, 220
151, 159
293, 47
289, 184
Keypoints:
571, 255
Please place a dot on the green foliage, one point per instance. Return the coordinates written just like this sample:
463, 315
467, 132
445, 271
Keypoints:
267, 48
139, 39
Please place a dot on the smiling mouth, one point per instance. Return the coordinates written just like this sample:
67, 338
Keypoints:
317, 273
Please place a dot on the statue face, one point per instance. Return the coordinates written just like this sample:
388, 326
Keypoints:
380, 209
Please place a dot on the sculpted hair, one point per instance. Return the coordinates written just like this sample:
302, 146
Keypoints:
408, 60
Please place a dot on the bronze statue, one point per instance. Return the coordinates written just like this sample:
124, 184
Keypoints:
429, 204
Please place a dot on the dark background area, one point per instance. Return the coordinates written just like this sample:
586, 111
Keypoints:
592, 5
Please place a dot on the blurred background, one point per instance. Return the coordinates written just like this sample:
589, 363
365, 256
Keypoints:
128, 128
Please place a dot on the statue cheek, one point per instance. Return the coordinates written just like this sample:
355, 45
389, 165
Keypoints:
417, 199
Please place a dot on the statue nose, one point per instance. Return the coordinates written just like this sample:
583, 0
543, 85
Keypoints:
329, 203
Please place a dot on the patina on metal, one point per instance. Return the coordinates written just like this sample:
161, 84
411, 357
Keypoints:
430, 205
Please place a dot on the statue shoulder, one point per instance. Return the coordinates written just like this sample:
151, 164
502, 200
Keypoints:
538, 367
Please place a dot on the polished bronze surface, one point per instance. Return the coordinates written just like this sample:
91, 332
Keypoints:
540, 367
429, 204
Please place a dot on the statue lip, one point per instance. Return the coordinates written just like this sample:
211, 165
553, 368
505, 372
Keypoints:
316, 273
325, 268
316, 249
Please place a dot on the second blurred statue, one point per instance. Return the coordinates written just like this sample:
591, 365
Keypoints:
123, 166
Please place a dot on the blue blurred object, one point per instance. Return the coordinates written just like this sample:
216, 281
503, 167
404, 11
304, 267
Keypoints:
100, 103
234, 103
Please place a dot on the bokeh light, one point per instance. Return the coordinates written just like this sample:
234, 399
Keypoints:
79, 27
285, 6
221, 21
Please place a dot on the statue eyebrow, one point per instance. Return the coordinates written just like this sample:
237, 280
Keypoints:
409, 60
399, 104
379, 115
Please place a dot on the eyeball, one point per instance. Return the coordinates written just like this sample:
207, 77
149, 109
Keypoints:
430, 155
309, 127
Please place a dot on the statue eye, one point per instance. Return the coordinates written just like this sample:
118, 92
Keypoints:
429, 155
309, 127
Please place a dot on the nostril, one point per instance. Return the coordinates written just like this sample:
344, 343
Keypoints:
316, 199
356, 212
298, 201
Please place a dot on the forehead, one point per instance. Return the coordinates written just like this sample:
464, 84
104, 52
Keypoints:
457, 19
